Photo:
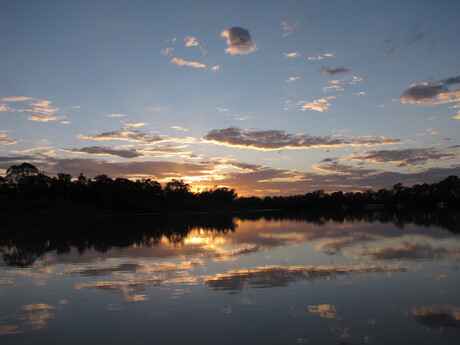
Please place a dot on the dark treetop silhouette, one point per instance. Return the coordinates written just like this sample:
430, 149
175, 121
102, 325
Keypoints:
25, 189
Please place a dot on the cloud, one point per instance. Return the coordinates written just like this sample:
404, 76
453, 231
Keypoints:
104, 150
338, 168
182, 62
125, 134
320, 57
40, 110
178, 128
291, 79
277, 140
355, 80
116, 115
391, 45
433, 92
191, 41
17, 99
292, 55
43, 118
167, 51
321, 104
404, 157
334, 71
37, 148
135, 124
239, 41
215, 68
4, 140
289, 27
332, 88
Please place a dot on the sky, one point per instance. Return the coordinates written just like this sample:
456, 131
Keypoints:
268, 97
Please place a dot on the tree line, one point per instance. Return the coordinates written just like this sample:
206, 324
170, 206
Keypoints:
24, 187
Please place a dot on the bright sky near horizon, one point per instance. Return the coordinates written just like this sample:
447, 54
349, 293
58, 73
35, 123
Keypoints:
267, 97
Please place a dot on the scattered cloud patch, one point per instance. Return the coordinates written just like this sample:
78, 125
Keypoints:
277, 140
404, 157
292, 55
182, 62
335, 167
289, 27
167, 51
38, 148
125, 134
417, 34
320, 57
355, 80
291, 79
432, 92
178, 128
239, 41
215, 68
4, 140
38, 109
17, 99
109, 151
334, 71
191, 41
135, 124
321, 104
116, 115
334, 87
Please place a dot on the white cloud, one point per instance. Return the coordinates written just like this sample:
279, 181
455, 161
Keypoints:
291, 79
292, 55
178, 128
320, 57
116, 115
182, 62
321, 104
191, 41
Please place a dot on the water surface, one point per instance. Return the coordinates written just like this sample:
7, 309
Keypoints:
222, 279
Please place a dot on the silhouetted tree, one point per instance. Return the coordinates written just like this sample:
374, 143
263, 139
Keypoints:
16, 173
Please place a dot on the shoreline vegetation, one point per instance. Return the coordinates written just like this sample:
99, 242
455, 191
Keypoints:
26, 191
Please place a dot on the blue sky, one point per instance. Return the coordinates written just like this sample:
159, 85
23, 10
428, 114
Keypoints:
268, 97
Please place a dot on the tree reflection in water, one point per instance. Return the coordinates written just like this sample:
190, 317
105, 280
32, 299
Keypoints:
22, 241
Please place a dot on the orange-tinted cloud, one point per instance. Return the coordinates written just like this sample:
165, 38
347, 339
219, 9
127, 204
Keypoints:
182, 62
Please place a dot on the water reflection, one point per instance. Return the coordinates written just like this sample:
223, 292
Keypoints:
272, 276
441, 317
324, 279
23, 241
